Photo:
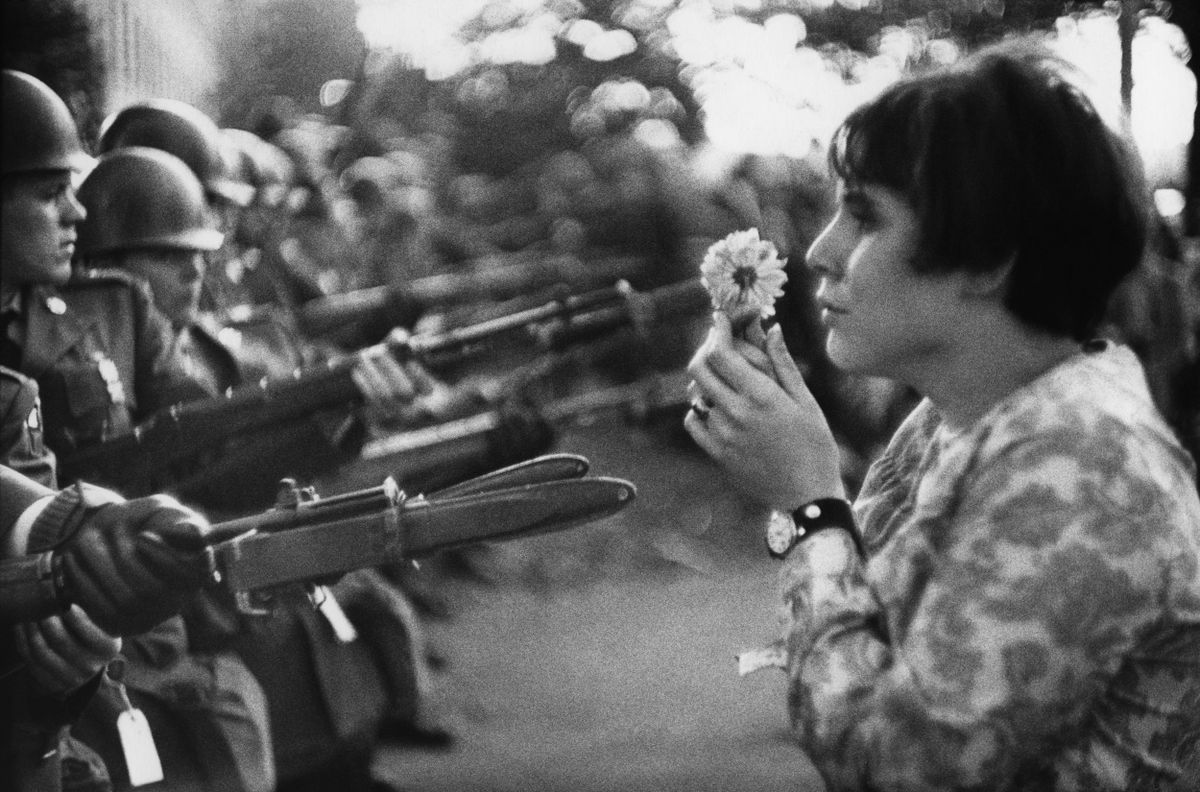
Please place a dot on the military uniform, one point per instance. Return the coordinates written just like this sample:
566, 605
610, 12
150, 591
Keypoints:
22, 446
101, 354
104, 359
205, 358
37, 751
242, 475
330, 684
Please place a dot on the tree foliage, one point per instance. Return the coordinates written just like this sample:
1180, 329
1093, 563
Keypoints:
53, 40
286, 50
505, 113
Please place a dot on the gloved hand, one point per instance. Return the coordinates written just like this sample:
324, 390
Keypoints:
63, 652
384, 382
131, 565
399, 393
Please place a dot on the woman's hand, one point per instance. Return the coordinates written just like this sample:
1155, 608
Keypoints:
763, 427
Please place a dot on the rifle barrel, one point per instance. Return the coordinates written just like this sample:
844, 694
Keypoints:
492, 278
185, 430
644, 395
562, 307
308, 512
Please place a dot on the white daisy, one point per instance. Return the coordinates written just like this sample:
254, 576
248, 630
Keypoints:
744, 275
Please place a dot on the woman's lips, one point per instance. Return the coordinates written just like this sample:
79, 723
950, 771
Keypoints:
831, 312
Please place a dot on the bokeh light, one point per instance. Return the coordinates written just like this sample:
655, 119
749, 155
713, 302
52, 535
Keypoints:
762, 87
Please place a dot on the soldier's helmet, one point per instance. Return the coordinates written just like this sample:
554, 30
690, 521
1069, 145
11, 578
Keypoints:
279, 175
183, 130
140, 198
264, 165
242, 146
39, 132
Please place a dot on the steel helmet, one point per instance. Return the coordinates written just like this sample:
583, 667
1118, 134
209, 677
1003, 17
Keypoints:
264, 165
241, 145
183, 130
39, 132
279, 174
140, 198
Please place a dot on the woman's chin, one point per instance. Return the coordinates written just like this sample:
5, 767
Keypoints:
842, 354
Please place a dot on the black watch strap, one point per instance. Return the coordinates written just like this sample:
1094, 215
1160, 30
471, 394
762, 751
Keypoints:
816, 516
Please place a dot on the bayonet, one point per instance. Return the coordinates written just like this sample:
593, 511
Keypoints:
305, 538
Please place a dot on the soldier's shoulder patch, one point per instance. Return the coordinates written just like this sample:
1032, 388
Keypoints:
97, 277
18, 394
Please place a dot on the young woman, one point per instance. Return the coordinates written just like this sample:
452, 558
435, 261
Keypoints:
1013, 601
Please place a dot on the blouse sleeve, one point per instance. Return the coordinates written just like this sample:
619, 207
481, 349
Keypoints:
1016, 610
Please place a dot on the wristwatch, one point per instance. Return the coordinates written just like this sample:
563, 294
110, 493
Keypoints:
786, 530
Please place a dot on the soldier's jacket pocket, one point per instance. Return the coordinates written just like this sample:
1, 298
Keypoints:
86, 391
95, 410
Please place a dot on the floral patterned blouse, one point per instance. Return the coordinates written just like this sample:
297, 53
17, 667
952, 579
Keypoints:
1029, 614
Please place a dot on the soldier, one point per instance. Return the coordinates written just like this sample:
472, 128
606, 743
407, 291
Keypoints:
54, 650
99, 351
147, 218
103, 358
38, 749
328, 691
178, 128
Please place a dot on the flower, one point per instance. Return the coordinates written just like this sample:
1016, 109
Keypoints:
743, 275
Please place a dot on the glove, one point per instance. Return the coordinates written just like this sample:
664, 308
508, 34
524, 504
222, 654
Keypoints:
131, 565
404, 394
65, 651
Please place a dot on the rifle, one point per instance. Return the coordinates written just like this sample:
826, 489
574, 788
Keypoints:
305, 540
141, 460
424, 457
355, 314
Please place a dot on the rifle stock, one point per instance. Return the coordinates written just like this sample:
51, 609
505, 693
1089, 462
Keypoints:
141, 460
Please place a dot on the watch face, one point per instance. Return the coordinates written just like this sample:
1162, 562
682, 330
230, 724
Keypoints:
781, 533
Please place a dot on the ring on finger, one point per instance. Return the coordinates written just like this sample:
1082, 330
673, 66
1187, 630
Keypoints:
701, 408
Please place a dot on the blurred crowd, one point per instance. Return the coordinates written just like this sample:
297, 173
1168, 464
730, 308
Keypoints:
216, 264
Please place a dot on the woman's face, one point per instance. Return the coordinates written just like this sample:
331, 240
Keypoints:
884, 319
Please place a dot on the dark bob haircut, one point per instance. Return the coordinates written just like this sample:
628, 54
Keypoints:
1002, 158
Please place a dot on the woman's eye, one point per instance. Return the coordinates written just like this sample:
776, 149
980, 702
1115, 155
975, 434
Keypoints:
862, 216
859, 210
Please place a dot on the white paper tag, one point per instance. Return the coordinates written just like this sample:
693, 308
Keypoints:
328, 605
774, 656
141, 756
